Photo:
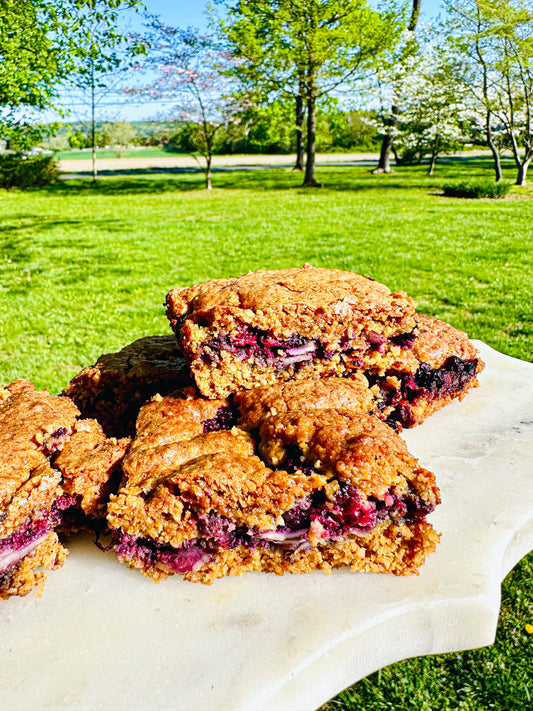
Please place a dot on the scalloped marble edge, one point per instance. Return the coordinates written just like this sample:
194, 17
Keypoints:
104, 637
443, 625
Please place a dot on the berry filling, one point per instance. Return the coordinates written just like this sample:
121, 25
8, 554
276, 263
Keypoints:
313, 517
266, 350
20, 543
225, 419
427, 383
56, 441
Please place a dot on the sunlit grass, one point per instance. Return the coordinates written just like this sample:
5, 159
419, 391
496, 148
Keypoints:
84, 269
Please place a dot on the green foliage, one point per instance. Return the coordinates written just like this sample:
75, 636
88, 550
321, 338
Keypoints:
118, 135
476, 188
346, 131
31, 61
261, 129
304, 50
22, 171
77, 140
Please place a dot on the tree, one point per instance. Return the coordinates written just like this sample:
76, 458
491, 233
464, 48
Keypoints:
119, 135
42, 44
32, 62
190, 70
407, 48
433, 111
305, 49
105, 50
493, 43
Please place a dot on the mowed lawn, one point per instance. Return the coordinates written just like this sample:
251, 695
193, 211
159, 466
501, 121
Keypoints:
85, 269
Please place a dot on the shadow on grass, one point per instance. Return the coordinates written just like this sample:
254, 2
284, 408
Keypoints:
345, 178
20, 224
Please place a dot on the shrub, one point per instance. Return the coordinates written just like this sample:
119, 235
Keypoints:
476, 188
23, 171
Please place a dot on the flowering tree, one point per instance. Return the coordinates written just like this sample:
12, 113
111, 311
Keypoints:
189, 69
493, 44
433, 111
388, 63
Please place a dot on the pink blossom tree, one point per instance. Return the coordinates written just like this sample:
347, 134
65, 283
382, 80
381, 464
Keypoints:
188, 68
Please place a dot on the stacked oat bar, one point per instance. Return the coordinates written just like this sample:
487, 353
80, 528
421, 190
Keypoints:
56, 471
262, 436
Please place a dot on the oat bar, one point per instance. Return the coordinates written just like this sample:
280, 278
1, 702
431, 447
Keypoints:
113, 390
440, 365
54, 474
303, 490
284, 324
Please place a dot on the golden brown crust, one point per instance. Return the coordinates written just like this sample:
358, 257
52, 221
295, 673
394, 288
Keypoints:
323, 306
170, 431
88, 462
28, 420
113, 390
270, 401
308, 300
170, 490
354, 448
241, 488
436, 342
173, 418
37, 431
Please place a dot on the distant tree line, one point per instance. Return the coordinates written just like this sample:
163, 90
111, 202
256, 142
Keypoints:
282, 76
260, 130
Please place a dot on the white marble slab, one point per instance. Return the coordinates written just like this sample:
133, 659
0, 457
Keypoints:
103, 637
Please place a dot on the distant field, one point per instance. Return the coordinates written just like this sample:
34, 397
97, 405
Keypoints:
84, 270
130, 153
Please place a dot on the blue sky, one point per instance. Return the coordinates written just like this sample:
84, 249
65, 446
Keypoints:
191, 12
177, 13
180, 13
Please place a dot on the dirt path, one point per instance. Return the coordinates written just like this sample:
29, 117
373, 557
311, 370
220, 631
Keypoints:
187, 162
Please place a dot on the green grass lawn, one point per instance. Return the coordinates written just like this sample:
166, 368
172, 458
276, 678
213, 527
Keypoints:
86, 153
84, 270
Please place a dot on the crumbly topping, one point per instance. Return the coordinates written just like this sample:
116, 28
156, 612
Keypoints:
29, 423
88, 461
271, 401
118, 384
168, 484
352, 447
241, 488
438, 341
310, 301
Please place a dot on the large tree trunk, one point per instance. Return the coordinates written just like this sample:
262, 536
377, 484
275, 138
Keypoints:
309, 179
300, 150
522, 171
386, 146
